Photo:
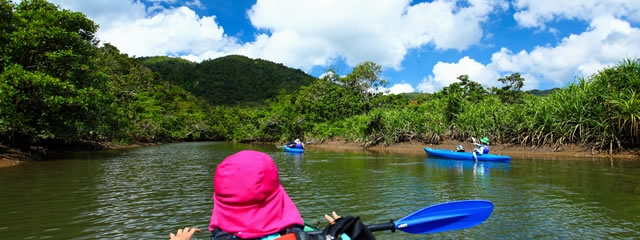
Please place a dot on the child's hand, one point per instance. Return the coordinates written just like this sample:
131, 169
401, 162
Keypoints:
184, 234
333, 219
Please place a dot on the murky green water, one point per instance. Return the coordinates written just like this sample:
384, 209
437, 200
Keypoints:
147, 192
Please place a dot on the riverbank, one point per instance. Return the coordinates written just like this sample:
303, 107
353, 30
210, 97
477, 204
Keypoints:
417, 148
4, 162
10, 157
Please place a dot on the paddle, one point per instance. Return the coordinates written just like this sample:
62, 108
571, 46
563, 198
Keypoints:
441, 217
474, 151
282, 146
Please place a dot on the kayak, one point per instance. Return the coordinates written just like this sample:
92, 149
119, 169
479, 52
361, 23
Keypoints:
293, 150
450, 154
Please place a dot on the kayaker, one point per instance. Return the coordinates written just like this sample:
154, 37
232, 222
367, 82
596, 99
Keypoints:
483, 147
459, 148
292, 144
299, 144
250, 203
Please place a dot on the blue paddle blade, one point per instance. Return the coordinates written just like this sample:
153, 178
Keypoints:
446, 216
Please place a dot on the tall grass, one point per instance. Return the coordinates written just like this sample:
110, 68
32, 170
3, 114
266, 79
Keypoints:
602, 111
425, 123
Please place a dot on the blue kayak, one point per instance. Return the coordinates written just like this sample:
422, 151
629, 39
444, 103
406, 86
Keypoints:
293, 150
450, 154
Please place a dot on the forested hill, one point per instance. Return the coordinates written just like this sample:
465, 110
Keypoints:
542, 92
231, 79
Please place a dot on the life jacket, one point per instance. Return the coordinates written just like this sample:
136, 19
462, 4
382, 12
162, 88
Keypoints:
483, 149
346, 227
301, 236
294, 233
299, 145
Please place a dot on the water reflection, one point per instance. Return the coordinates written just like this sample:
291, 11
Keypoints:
478, 168
296, 157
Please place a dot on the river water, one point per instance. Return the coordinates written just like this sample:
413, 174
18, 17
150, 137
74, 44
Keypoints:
145, 193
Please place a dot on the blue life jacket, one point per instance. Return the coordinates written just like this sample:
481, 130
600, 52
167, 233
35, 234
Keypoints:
299, 145
482, 149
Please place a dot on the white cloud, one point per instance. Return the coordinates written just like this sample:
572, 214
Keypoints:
535, 13
177, 31
289, 48
308, 33
605, 43
428, 85
304, 33
447, 73
531, 81
195, 3
299, 33
106, 12
398, 88
142, 30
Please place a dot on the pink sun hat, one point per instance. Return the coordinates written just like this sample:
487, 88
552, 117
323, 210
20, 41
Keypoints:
248, 200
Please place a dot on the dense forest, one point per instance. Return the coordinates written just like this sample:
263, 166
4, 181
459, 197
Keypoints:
59, 85
229, 80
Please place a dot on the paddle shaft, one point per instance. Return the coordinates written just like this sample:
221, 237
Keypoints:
377, 227
382, 227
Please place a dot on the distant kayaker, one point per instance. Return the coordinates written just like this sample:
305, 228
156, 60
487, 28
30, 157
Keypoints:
299, 144
459, 148
292, 144
250, 203
483, 147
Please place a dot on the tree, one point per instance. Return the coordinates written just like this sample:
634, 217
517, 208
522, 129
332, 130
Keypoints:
511, 93
6, 27
364, 78
456, 93
471, 90
48, 89
60, 43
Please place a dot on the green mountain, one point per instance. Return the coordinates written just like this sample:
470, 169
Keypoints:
542, 92
231, 79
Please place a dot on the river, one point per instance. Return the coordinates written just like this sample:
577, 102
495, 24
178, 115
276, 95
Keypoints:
144, 193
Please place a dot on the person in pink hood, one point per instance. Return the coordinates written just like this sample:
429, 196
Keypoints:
250, 203
248, 200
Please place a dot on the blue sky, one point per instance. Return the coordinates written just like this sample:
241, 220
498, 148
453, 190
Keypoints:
422, 45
